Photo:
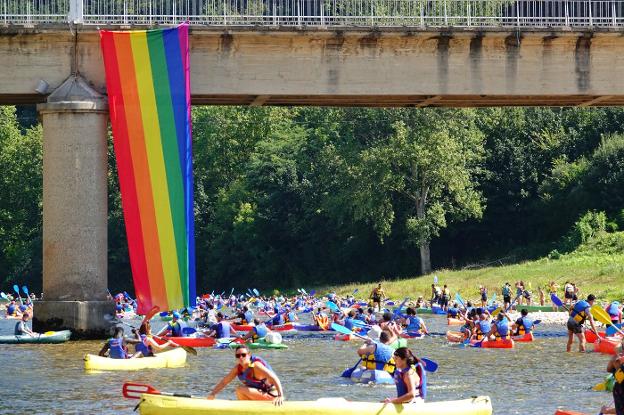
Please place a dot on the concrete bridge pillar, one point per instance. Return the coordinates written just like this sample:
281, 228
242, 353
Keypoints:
75, 209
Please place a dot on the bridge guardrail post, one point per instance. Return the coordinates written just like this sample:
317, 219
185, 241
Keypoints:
76, 12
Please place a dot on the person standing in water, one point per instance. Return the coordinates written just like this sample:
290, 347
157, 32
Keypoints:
260, 383
377, 296
579, 313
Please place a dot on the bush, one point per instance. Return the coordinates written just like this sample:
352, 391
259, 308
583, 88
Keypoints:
587, 227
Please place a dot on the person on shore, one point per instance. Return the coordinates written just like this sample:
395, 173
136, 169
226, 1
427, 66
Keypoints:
615, 312
519, 290
377, 296
506, 291
568, 293
21, 327
116, 347
484, 297
420, 302
541, 296
578, 315
145, 344
174, 327
409, 377
435, 294
260, 383
526, 294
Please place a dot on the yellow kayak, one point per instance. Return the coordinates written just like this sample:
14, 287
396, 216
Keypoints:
161, 405
171, 358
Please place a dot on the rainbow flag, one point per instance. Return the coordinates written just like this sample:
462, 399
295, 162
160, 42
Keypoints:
148, 83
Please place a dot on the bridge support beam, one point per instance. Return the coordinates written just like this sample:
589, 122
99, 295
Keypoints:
75, 210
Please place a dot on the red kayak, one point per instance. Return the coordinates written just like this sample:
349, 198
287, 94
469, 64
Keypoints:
608, 345
498, 344
527, 337
247, 327
566, 412
188, 341
344, 337
590, 336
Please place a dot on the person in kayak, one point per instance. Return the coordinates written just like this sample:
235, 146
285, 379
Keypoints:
377, 296
524, 324
453, 312
116, 346
21, 327
482, 326
500, 327
174, 327
348, 321
222, 329
616, 367
260, 383
145, 344
257, 332
409, 377
12, 310
579, 313
378, 355
414, 324
615, 312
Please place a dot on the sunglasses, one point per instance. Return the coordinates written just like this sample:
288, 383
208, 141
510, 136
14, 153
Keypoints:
239, 355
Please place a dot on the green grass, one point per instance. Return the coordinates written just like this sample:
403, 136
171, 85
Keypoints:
596, 267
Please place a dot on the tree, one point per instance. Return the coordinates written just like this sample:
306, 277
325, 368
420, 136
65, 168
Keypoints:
431, 161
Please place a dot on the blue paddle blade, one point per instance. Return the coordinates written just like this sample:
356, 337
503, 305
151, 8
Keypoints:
430, 365
256, 292
348, 372
536, 322
332, 306
3, 295
25, 289
340, 329
16, 288
188, 330
556, 301
163, 313
355, 291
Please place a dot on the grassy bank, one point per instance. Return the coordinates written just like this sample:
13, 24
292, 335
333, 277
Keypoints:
596, 267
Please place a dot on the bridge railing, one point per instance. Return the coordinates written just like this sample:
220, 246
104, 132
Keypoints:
382, 13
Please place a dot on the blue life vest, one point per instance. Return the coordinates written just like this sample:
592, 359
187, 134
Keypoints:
222, 329
614, 311
11, 310
360, 317
415, 324
578, 312
525, 325
401, 386
248, 317
502, 328
260, 331
176, 329
506, 291
453, 312
349, 323
247, 378
116, 350
278, 320
483, 328
291, 316
144, 347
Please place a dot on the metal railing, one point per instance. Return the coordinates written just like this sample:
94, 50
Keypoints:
382, 13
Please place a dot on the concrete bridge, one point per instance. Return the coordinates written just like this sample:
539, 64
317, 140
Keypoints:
416, 53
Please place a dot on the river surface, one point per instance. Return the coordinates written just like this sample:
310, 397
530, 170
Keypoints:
532, 378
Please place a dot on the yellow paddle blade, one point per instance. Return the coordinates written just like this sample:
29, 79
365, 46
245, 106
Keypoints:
49, 333
600, 387
495, 312
600, 314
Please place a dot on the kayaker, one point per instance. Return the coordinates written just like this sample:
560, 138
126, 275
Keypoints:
578, 315
260, 383
409, 378
378, 355
524, 324
174, 327
615, 312
223, 329
500, 327
377, 296
360, 315
257, 332
21, 327
116, 346
414, 324
482, 326
616, 366
145, 344
453, 312
12, 310
371, 318
348, 321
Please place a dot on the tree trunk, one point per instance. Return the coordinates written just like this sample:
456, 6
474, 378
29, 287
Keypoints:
425, 259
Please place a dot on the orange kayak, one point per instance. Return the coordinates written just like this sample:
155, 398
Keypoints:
454, 321
590, 336
527, 337
608, 345
455, 336
344, 337
566, 412
498, 344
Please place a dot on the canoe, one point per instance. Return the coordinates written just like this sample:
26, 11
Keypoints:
608, 345
527, 337
260, 345
566, 412
48, 337
169, 359
378, 377
12, 317
496, 344
455, 336
450, 321
188, 341
247, 327
174, 405
590, 336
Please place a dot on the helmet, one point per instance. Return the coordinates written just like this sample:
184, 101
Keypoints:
176, 314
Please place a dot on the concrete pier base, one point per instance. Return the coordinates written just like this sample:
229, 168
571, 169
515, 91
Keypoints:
75, 211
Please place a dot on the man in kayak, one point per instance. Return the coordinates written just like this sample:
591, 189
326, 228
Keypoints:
223, 329
257, 332
414, 325
482, 326
116, 346
409, 378
377, 296
378, 355
174, 327
500, 327
524, 324
579, 313
21, 327
260, 383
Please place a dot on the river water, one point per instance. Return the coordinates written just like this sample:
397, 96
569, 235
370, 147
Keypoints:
532, 378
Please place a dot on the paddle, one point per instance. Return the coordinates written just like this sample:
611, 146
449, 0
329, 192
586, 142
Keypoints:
332, 306
400, 307
602, 316
312, 293
355, 291
256, 292
135, 390
151, 313
460, 300
492, 299
25, 289
16, 289
430, 365
232, 292
348, 372
189, 330
4, 296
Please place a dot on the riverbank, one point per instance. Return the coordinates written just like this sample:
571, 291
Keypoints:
596, 267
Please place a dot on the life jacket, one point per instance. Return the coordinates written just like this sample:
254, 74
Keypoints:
259, 331
323, 322
223, 329
116, 349
11, 310
483, 328
578, 311
415, 324
452, 312
144, 347
506, 291
248, 317
502, 326
289, 317
381, 359
19, 328
246, 376
176, 329
619, 375
401, 386
525, 326
278, 320
613, 311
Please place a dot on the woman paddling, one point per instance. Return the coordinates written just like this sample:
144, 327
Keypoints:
409, 378
145, 344
260, 383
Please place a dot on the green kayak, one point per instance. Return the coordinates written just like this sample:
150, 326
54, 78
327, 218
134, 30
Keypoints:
543, 308
260, 345
48, 337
